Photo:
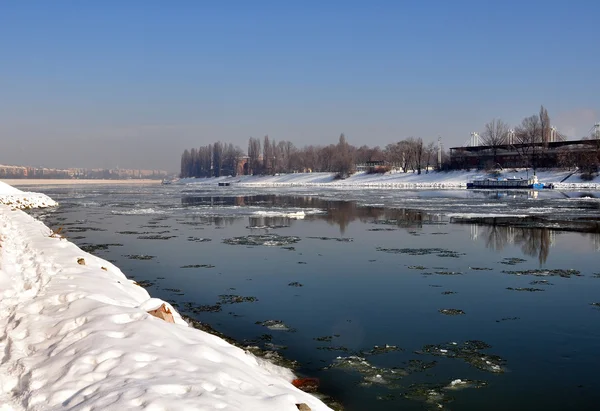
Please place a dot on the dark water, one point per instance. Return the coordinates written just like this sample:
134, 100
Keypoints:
369, 268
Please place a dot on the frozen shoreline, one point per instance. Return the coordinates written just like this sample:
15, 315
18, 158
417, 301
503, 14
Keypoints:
61, 182
432, 180
15, 198
76, 334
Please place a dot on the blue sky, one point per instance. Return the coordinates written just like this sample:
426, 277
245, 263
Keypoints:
133, 83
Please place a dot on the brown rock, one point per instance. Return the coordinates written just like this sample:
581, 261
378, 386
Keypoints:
306, 384
163, 313
303, 407
81, 261
104, 268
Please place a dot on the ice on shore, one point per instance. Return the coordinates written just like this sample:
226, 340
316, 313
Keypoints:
16, 198
75, 334
413, 180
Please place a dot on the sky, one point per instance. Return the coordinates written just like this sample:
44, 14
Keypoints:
133, 83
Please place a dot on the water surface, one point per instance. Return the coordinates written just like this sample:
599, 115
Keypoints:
338, 273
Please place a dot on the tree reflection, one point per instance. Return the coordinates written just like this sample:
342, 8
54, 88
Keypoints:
336, 212
497, 237
534, 242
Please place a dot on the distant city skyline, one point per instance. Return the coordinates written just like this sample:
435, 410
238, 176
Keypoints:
132, 84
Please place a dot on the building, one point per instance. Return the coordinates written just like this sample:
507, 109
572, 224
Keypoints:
548, 154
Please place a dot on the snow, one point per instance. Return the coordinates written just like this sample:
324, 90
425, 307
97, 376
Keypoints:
76, 335
434, 179
19, 199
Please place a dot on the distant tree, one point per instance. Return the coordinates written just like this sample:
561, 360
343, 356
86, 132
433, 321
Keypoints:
418, 151
343, 162
309, 158
254, 156
566, 158
406, 150
205, 161
495, 135
529, 138
544, 125
429, 155
267, 155
185, 164
393, 154
231, 156
217, 158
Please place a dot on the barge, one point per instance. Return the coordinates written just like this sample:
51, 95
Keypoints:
509, 183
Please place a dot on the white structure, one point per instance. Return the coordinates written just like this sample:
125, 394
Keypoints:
510, 137
552, 137
474, 139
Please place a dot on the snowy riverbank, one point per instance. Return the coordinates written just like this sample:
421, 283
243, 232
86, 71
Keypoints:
76, 334
15, 198
450, 179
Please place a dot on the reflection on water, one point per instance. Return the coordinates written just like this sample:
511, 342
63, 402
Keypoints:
531, 233
499, 194
334, 212
534, 242
530, 194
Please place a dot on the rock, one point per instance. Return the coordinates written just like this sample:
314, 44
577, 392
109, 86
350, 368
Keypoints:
81, 261
104, 268
306, 384
303, 407
163, 313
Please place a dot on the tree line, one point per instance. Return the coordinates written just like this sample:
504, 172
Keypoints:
268, 156
529, 140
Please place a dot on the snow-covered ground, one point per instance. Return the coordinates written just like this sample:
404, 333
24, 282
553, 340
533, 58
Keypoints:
75, 334
451, 179
19, 199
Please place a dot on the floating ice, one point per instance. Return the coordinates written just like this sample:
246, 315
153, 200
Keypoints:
451, 311
271, 240
547, 272
470, 352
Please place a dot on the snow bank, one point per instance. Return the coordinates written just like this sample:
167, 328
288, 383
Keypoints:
20, 199
75, 335
450, 179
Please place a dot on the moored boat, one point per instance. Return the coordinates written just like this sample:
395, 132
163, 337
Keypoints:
508, 183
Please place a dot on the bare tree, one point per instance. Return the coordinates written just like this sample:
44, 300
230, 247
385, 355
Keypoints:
393, 154
185, 164
267, 156
407, 154
254, 155
344, 163
326, 158
417, 148
545, 125
529, 138
430, 155
495, 135
217, 158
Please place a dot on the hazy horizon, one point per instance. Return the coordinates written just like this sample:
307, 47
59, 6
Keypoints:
133, 84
